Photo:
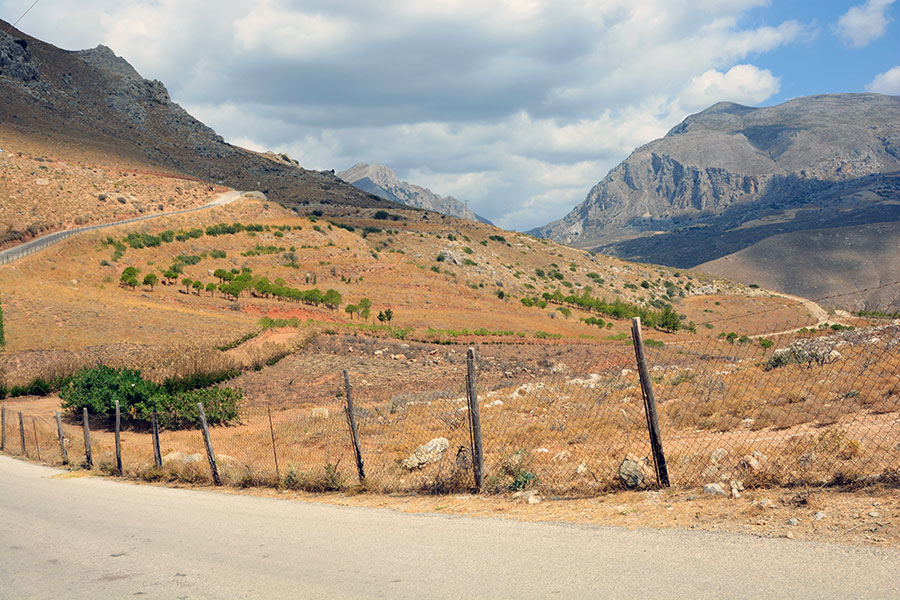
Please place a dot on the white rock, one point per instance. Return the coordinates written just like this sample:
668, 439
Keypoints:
714, 489
426, 453
319, 412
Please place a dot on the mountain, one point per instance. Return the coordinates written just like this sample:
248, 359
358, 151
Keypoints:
94, 101
384, 183
733, 176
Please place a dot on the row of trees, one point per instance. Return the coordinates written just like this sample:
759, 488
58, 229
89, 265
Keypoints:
666, 319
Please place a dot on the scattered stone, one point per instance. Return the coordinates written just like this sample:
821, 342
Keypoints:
710, 472
764, 503
426, 453
874, 514
632, 472
174, 457
379, 352
541, 451
319, 412
717, 455
562, 455
749, 463
818, 516
793, 521
760, 457
531, 497
581, 469
224, 459
714, 489
807, 458
494, 403
736, 488
398, 356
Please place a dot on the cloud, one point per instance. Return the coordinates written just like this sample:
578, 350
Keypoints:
519, 106
744, 84
863, 24
886, 83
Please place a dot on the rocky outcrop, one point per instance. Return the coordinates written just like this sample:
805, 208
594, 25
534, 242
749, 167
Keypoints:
731, 157
16, 60
384, 183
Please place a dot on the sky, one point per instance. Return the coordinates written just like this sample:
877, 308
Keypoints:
517, 106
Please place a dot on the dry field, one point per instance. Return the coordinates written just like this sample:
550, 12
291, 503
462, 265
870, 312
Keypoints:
41, 194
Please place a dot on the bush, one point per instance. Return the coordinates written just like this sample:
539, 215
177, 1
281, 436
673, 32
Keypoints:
98, 389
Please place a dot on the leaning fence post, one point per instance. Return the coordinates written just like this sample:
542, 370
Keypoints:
354, 433
86, 426
118, 440
22, 433
37, 444
474, 419
3, 427
62, 440
659, 459
157, 455
209, 448
274, 449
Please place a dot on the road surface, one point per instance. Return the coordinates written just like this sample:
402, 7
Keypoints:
89, 537
30, 247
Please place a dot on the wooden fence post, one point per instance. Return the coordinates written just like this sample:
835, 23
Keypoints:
157, 455
3, 427
86, 426
274, 450
354, 433
474, 420
118, 440
209, 447
659, 458
37, 444
22, 433
62, 440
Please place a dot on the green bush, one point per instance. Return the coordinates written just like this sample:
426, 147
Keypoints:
98, 389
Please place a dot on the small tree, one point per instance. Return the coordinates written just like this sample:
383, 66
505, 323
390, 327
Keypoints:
350, 309
170, 275
385, 315
669, 320
187, 282
151, 279
129, 275
198, 286
566, 312
210, 287
332, 299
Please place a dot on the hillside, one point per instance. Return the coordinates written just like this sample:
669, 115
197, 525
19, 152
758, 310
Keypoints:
384, 183
93, 106
732, 176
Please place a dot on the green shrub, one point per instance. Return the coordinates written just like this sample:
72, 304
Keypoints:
98, 389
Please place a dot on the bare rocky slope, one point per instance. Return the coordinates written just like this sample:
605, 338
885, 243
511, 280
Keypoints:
384, 183
732, 176
95, 99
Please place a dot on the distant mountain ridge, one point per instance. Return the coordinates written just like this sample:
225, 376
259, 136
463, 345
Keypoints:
384, 183
732, 176
95, 99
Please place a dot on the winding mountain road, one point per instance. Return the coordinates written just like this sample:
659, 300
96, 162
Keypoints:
85, 537
30, 247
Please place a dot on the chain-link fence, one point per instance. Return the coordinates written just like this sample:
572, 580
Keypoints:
813, 403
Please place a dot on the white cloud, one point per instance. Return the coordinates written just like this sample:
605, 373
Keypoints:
519, 106
863, 24
744, 84
887, 82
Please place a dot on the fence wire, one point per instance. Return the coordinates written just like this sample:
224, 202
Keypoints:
809, 404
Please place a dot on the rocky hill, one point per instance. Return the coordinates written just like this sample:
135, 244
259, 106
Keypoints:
94, 100
733, 176
384, 183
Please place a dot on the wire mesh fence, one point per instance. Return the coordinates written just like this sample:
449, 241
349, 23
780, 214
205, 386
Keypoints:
812, 404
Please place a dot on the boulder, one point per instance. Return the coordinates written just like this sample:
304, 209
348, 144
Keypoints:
319, 413
426, 454
633, 472
714, 489
174, 457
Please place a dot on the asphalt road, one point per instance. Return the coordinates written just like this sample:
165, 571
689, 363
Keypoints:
16, 252
98, 538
